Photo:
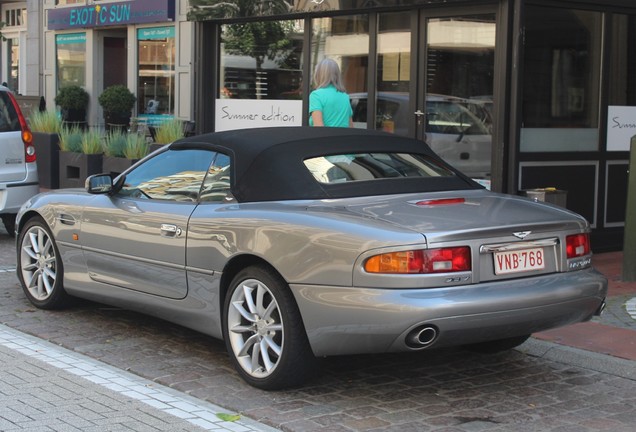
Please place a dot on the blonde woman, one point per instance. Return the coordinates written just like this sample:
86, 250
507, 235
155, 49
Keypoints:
329, 103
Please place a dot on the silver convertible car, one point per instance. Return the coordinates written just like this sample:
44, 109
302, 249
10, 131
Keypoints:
297, 243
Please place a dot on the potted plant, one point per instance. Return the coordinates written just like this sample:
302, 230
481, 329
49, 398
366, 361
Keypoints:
46, 126
121, 151
80, 156
73, 101
117, 101
167, 132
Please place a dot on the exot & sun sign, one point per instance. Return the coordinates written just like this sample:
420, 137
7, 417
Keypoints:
111, 14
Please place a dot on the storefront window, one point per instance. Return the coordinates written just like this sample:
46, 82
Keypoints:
260, 81
621, 117
392, 110
71, 59
346, 40
460, 58
261, 60
13, 51
561, 78
156, 85
394, 73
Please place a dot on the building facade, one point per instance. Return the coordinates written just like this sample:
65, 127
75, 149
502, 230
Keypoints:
145, 45
520, 94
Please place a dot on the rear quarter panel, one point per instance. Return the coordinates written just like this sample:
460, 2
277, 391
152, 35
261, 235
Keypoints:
310, 247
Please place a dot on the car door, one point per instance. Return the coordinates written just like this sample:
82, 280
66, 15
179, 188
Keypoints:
136, 239
12, 162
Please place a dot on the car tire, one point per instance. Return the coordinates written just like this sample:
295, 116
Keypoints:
495, 346
40, 268
8, 221
264, 332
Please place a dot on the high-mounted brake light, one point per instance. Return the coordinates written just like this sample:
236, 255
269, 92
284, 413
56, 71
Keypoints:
27, 136
577, 245
421, 261
441, 201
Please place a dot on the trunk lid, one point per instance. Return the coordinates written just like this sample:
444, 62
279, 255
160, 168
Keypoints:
509, 236
482, 214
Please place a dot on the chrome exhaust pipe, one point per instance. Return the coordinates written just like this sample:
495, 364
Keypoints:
421, 336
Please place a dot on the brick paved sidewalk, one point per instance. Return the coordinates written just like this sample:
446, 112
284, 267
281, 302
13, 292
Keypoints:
47, 388
613, 333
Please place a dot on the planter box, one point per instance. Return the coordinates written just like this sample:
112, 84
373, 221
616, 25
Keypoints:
75, 167
116, 165
47, 153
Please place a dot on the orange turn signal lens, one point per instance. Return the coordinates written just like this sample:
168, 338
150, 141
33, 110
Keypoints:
421, 261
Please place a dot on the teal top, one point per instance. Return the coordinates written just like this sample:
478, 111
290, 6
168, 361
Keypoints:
334, 105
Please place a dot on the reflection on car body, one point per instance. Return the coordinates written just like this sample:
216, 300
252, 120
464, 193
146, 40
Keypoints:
310, 242
457, 129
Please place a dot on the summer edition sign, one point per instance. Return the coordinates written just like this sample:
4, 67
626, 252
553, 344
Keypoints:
111, 14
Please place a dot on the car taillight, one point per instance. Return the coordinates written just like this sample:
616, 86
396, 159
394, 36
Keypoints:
27, 136
421, 261
577, 245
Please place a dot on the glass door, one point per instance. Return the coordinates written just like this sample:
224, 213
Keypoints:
456, 117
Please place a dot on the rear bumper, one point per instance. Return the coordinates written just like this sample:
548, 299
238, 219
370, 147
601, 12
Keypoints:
346, 320
12, 196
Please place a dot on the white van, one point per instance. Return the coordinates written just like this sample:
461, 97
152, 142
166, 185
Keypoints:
18, 170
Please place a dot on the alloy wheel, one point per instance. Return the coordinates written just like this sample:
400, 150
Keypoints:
255, 328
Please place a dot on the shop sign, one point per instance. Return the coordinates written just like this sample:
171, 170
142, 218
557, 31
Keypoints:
621, 127
70, 38
155, 33
251, 113
111, 14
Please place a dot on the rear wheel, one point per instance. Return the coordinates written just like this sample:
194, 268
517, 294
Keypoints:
498, 345
40, 269
263, 331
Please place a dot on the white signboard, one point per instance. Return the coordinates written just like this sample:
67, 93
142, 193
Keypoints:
621, 127
251, 113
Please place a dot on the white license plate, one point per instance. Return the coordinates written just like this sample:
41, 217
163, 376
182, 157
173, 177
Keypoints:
519, 261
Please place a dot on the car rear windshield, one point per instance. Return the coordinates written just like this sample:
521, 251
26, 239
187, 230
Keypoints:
370, 166
9, 120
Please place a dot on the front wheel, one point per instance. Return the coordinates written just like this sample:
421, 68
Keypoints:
264, 332
40, 269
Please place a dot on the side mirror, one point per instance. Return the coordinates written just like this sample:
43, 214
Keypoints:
99, 184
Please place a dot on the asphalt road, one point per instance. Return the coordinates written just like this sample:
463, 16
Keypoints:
540, 387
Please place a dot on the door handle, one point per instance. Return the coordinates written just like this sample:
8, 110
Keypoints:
419, 116
170, 230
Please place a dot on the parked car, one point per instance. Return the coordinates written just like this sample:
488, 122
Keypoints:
297, 243
18, 170
457, 129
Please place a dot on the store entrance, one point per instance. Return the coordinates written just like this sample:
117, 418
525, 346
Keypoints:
115, 59
455, 115
435, 82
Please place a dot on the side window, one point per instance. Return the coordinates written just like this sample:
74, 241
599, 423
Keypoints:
8, 115
174, 175
216, 187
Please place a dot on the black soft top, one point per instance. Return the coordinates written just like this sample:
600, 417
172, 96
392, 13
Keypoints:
267, 163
